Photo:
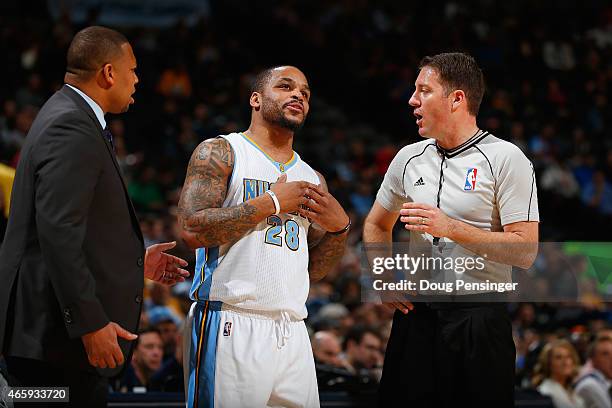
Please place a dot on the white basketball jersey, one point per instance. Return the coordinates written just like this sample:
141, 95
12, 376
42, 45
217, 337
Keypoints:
267, 269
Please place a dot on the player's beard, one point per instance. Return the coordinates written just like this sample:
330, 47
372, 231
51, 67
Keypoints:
273, 113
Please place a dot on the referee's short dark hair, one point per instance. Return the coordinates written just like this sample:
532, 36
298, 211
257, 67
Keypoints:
458, 70
91, 48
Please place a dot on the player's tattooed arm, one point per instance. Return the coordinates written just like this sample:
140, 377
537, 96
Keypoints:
325, 249
325, 255
202, 220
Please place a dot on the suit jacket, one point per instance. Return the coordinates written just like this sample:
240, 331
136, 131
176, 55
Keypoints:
73, 254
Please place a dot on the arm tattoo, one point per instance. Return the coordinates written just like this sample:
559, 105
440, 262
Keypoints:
325, 250
326, 255
203, 221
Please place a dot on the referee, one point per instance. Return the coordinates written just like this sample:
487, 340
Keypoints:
465, 186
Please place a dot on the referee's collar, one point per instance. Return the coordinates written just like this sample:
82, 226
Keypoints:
477, 137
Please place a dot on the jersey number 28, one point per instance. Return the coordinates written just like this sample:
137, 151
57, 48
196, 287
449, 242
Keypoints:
292, 233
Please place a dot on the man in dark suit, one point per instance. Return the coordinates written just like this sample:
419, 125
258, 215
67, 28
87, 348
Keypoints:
73, 258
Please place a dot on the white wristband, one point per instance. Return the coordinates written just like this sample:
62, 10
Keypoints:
276, 203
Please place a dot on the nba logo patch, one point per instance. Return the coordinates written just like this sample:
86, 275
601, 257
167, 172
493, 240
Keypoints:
227, 329
470, 180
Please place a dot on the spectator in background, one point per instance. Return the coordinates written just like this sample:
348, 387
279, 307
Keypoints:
558, 177
598, 193
13, 138
528, 348
334, 373
555, 372
180, 293
524, 316
153, 230
326, 349
334, 317
318, 297
584, 167
8, 115
362, 199
362, 348
166, 323
144, 319
160, 295
594, 386
169, 378
558, 55
175, 81
146, 360
32, 94
145, 191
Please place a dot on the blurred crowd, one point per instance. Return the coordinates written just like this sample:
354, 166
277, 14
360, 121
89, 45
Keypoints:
548, 91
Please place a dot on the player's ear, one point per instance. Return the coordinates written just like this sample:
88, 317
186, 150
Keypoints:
255, 100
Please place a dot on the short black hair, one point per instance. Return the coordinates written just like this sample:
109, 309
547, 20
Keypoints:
356, 334
262, 78
458, 70
593, 346
146, 330
91, 48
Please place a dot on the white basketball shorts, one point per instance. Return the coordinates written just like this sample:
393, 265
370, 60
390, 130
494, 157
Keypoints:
245, 358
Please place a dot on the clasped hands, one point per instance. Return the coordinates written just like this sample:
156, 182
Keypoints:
310, 201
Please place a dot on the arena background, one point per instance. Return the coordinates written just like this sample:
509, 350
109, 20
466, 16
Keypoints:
548, 71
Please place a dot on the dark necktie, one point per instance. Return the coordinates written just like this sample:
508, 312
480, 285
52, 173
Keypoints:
109, 137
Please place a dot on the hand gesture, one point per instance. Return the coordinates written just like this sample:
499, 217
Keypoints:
102, 347
322, 208
395, 301
290, 195
425, 218
162, 267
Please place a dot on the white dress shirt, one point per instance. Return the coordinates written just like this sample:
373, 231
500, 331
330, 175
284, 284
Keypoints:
94, 106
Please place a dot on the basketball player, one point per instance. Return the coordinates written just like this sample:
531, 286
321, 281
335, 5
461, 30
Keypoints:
247, 206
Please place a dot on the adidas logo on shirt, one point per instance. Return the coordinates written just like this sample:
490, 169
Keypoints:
419, 182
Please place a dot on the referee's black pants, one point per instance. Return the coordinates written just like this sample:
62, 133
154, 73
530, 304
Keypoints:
86, 390
450, 355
